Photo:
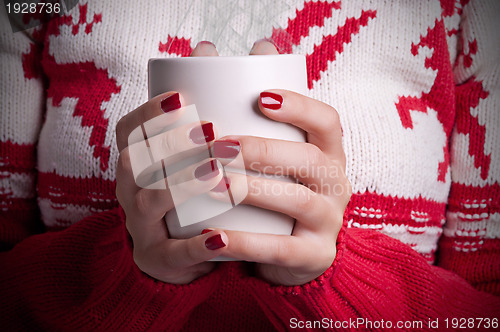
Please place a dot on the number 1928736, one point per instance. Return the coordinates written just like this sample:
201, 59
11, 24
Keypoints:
33, 8
471, 323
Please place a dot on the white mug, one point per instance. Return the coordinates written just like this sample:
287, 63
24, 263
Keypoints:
225, 91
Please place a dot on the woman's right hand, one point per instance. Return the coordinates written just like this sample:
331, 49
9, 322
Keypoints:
155, 253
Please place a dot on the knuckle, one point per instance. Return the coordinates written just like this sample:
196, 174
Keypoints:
265, 150
331, 121
333, 118
192, 251
338, 166
304, 202
124, 163
169, 142
169, 261
314, 154
142, 202
120, 130
283, 253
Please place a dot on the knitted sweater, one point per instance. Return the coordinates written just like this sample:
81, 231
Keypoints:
416, 84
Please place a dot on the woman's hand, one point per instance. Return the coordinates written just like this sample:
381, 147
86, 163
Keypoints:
317, 202
169, 260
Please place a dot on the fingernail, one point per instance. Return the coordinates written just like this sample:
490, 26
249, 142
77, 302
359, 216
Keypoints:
222, 186
202, 134
207, 170
261, 40
206, 230
170, 103
271, 100
226, 149
206, 42
215, 242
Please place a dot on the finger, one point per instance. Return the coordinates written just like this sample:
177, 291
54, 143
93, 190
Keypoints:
169, 147
151, 203
263, 47
186, 252
319, 120
157, 261
187, 275
281, 250
309, 208
192, 180
164, 105
195, 180
146, 210
181, 142
303, 161
204, 48
125, 181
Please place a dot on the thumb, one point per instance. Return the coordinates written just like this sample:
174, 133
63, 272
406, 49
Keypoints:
187, 252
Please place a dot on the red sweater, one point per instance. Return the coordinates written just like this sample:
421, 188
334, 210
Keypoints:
84, 278
416, 86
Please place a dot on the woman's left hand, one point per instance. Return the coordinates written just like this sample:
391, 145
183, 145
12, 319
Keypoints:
317, 201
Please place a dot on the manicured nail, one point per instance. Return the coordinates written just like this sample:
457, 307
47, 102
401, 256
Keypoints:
215, 242
206, 230
226, 149
222, 186
271, 100
170, 103
202, 134
207, 170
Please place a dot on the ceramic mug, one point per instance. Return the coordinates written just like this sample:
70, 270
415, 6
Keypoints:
225, 91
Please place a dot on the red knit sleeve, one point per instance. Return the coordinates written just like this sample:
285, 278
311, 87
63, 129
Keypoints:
378, 282
84, 278
21, 115
470, 245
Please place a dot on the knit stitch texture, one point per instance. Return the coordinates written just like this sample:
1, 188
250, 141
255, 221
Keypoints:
416, 85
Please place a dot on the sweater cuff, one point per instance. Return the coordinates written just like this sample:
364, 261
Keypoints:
85, 276
271, 297
323, 279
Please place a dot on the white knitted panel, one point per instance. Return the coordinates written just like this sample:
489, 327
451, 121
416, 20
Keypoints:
21, 99
53, 213
364, 86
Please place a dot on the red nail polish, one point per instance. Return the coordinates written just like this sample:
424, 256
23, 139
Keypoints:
271, 100
206, 171
226, 149
206, 230
222, 186
215, 242
170, 103
203, 134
